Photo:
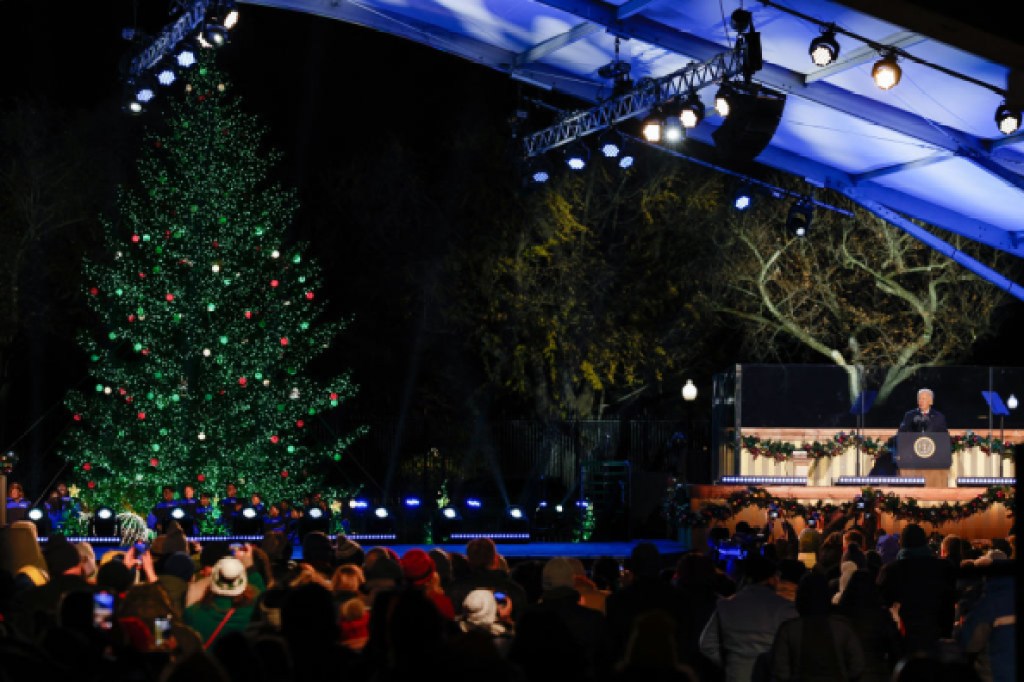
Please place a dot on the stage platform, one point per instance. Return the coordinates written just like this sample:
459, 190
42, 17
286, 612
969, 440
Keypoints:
670, 550
994, 522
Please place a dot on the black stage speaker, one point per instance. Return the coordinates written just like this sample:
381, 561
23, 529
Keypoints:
752, 121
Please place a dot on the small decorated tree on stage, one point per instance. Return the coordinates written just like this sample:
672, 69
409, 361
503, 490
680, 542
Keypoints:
209, 320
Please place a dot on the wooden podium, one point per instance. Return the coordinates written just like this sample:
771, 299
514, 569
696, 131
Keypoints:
927, 454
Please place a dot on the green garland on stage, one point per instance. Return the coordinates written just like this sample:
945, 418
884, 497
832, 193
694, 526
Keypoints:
781, 451
679, 510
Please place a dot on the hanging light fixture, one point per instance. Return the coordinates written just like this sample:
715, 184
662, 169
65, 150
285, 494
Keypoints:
576, 156
824, 49
692, 111
886, 71
1008, 119
651, 127
743, 198
672, 125
798, 220
724, 99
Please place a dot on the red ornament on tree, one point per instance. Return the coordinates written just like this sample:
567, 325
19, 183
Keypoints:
274, 439
87, 467
274, 283
300, 423
200, 478
284, 474
142, 415
169, 297
77, 417
91, 484
154, 462
242, 381
136, 239
284, 340
309, 295
93, 291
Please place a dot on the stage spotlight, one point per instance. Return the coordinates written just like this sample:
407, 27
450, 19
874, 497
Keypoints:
798, 221
382, 522
724, 99
824, 49
1008, 119
314, 519
165, 73
538, 170
448, 522
576, 156
41, 519
214, 35
184, 519
104, 523
515, 524
412, 523
692, 111
886, 71
138, 94
743, 198
250, 522
186, 54
226, 14
672, 126
615, 150
651, 128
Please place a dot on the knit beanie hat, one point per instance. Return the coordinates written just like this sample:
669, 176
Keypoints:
115, 576
228, 578
317, 550
61, 555
479, 609
558, 572
179, 565
417, 566
384, 568
889, 547
348, 551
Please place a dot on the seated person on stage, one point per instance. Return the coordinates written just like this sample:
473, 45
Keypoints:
17, 505
203, 508
885, 465
161, 513
228, 504
923, 417
189, 505
57, 503
275, 521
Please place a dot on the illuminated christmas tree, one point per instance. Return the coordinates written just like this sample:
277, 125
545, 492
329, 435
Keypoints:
208, 317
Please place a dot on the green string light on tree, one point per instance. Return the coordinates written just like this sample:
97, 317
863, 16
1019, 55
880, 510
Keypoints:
187, 319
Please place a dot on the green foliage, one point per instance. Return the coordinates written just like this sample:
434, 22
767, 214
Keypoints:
207, 318
586, 300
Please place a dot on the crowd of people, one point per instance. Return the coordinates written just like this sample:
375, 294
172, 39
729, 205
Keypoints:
841, 604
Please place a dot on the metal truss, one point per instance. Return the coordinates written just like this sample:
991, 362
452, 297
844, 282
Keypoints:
191, 17
644, 96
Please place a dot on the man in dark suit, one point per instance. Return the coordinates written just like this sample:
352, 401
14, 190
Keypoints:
923, 417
